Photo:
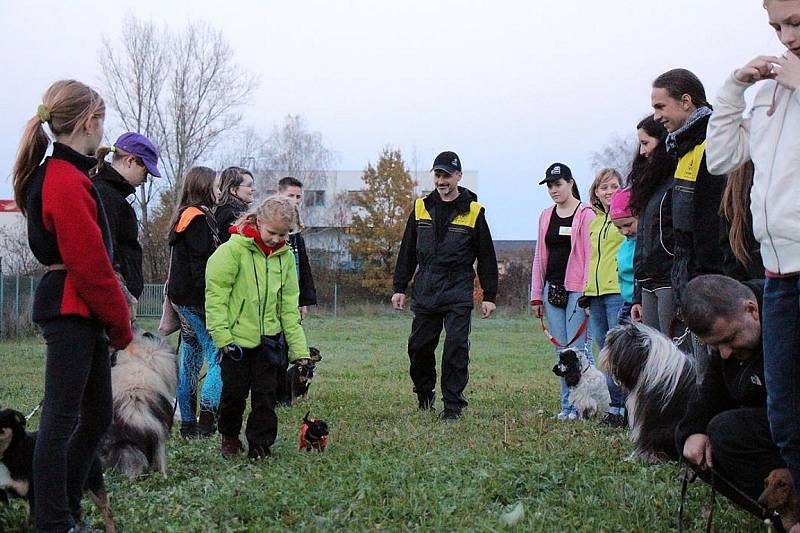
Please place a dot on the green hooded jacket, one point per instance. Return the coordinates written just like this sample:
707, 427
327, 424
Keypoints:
249, 294
606, 240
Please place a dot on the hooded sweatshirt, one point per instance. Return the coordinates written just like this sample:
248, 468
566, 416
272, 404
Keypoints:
772, 141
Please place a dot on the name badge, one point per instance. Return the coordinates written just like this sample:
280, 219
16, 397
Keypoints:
565, 231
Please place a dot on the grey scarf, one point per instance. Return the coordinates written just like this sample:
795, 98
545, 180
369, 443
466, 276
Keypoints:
697, 114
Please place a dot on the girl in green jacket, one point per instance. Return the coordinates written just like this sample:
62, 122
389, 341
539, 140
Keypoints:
251, 311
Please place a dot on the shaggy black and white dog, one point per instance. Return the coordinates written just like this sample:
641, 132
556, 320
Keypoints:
660, 382
588, 391
144, 379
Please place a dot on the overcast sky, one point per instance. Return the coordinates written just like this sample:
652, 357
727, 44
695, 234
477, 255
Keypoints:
511, 86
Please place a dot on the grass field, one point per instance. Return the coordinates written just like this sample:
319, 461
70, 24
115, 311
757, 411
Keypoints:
389, 467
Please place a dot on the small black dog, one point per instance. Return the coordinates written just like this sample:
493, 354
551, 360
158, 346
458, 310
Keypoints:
298, 377
313, 434
16, 467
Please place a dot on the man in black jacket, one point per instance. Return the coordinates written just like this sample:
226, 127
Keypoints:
444, 235
726, 427
134, 157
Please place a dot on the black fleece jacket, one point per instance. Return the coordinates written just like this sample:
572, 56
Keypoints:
728, 384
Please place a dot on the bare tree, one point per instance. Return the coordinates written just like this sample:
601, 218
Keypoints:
294, 149
617, 153
17, 257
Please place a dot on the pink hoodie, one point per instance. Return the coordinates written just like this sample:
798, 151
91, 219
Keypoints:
578, 263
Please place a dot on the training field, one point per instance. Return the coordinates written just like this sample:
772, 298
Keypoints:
388, 467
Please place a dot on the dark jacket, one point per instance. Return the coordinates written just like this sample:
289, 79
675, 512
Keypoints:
226, 215
193, 239
308, 292
728, 384
445, 257
123, 225
696, 197
652, 261
67, 225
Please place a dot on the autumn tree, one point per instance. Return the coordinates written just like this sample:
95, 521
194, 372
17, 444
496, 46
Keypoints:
382, 209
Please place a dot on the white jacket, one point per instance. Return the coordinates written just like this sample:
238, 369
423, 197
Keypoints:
773, 143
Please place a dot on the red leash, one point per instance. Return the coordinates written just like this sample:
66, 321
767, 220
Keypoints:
580, 332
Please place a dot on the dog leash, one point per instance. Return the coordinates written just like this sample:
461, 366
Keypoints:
33, 413
552, 339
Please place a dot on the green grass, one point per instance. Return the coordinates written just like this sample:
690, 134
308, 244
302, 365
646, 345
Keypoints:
389, 467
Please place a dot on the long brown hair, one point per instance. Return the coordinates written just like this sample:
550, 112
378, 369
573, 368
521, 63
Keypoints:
66, 105
735, 207
230, 178
197, 190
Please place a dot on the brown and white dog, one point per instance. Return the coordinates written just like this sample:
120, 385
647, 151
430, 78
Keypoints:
779, 496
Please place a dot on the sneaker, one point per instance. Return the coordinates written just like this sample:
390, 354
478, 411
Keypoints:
563, 415
188, 430
207, 424
613, 421
450, 415
572, 415
231, 447
258, 452
425, 400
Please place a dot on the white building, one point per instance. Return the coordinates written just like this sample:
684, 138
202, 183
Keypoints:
329, 204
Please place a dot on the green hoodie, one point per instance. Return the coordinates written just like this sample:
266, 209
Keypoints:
242, 282
606, 240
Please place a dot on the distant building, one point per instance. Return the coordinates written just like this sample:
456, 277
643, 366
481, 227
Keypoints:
330, 201
10, 215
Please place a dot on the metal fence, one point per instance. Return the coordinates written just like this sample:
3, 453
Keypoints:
16, 304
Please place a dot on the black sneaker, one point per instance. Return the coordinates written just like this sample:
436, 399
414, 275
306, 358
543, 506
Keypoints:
189, 430
450, 415
207, 424
425, 400
258, 452
613, 421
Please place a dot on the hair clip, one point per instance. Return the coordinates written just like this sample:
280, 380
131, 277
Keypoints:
43, 113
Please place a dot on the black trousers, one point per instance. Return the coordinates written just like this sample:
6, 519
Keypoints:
76, 412
425, 331
251, 375
742, 452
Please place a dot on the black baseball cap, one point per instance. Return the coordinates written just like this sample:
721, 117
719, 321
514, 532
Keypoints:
448, 162
555, 172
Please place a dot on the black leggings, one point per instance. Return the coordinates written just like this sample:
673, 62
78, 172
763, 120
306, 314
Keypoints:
76, 412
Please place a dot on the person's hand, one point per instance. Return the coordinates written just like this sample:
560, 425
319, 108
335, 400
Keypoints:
636, 312
760, 68
697, 450
398, 301
584, 301
795, 528
538, 310
487, 308
787, 71
303, 312
303, 361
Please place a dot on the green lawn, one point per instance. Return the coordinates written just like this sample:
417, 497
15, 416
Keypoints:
389, 467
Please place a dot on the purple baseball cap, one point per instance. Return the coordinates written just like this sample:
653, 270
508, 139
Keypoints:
140, 146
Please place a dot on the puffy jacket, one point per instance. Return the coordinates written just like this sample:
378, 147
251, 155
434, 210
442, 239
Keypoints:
773, 144
67, 225
578, 264
627, 282
193, 240
654, 240
114, 190
446, 276
248, 294
606, 240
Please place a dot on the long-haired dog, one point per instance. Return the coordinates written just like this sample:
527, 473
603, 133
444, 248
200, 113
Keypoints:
313, 434
588, 391
16, 467
779, 496
660, 382
143, 383
298, 377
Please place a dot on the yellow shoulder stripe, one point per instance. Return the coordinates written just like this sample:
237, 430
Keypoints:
468, 219
420, 213
689, 164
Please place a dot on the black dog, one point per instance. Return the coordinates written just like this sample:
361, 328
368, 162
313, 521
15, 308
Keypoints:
298, 377
313, 434
16, 467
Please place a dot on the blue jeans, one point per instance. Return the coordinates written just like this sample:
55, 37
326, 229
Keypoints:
563, 325
781, 339
604, 315
196, 347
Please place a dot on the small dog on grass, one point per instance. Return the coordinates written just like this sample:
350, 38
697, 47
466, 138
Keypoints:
313, 434
588, 390
660, 382
779, 496
143, 383
298, 377
16, 467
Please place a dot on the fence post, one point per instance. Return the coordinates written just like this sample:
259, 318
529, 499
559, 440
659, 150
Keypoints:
30, 300
16, 307
335, 298
2, 305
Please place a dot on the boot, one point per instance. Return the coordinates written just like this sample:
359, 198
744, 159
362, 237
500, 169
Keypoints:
231, 447
207, 423
189, 429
